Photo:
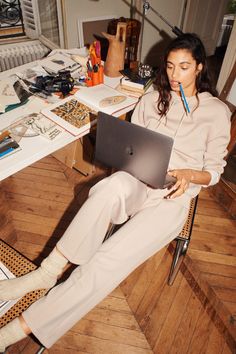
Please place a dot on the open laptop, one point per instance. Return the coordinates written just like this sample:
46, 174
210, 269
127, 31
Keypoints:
143, 153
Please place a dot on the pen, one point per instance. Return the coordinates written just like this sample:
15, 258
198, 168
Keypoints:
6, 152
184, 98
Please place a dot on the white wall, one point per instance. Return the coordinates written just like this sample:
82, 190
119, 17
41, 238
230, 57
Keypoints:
87, 9
154, 39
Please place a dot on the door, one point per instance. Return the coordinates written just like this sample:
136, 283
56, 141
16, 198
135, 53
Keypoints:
204, 17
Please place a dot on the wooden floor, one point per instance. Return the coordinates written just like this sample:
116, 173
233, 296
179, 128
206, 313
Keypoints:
144, 315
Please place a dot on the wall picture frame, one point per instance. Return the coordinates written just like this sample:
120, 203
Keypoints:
88, 27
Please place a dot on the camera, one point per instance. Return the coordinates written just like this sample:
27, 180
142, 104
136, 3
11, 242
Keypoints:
63, 82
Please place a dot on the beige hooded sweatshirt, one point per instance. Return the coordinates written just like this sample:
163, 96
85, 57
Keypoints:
200, 138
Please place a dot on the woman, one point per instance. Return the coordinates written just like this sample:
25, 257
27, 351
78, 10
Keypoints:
200, 141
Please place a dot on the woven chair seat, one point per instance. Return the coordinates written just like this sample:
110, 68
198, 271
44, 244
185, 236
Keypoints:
18, 265
187, 229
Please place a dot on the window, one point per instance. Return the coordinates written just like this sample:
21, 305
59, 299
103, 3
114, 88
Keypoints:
11, 22
36, 19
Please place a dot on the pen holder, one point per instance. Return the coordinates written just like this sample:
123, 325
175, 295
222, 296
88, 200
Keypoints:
95, 78
89, 82
101, 74
90, 74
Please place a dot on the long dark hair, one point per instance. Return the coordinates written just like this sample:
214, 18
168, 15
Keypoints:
193, 44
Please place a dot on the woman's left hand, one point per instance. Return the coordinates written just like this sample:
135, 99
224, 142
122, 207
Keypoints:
183, 178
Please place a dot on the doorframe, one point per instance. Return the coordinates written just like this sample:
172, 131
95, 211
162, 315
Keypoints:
229, 59
190, 20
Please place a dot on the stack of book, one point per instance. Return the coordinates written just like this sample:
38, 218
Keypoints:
133, 85
8, 145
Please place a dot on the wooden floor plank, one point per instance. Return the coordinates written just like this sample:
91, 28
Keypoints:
213, 243
212, 257
220, 281
199, 341
216, 268
215, 342
143, 283
114, 318
164, 341
113, 333
91, 344
225, 294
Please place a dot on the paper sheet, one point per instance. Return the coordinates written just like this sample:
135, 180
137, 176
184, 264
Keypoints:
8, 95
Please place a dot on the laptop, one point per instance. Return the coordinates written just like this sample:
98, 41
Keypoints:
125, 146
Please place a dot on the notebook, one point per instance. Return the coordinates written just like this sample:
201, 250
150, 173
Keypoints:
125, 146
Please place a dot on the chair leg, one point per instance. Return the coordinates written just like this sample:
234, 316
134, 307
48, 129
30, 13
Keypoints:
41, 350
180, 251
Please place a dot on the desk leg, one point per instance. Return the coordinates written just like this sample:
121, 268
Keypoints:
84, 153
7, 232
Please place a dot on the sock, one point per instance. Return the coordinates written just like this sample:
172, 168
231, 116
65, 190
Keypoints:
10, 334
45, 277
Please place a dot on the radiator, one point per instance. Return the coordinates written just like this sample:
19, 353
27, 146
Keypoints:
12, 55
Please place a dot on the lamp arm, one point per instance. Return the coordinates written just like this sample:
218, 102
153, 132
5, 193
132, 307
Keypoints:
146, 6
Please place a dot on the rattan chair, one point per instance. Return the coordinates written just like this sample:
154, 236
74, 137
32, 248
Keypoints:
182, 241
18, 265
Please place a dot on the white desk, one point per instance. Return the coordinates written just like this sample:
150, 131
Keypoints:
33, 149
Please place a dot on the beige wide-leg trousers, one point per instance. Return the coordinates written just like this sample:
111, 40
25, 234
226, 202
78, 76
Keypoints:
102, 266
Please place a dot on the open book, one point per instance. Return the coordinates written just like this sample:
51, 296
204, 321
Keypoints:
106, 99
77, 113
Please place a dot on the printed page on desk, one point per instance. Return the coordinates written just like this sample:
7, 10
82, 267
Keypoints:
5, 274
71, 114
106, 99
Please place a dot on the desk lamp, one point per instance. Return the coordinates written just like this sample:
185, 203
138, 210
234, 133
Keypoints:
146, 7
